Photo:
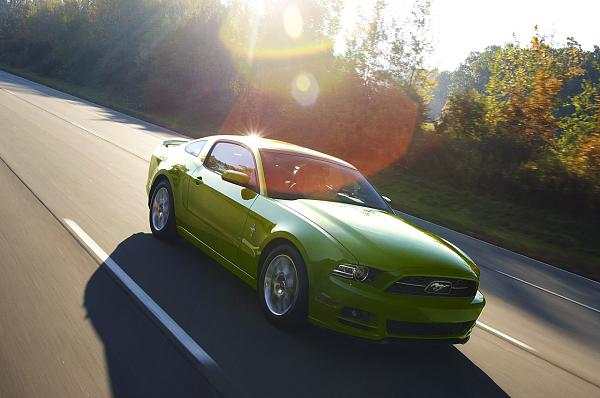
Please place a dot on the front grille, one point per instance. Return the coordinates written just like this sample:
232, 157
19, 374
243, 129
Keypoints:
422, 286
428, 329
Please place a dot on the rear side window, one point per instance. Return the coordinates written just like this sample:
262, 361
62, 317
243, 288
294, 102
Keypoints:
230, 156
195, 147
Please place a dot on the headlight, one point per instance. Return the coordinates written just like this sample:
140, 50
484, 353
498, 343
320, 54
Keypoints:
350, 271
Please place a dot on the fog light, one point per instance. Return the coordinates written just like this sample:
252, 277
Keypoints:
355, 313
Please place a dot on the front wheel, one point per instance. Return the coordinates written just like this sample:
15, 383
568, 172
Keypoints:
162, 212
283, 287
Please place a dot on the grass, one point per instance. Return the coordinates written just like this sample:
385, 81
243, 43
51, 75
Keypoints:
564, 240
567, 241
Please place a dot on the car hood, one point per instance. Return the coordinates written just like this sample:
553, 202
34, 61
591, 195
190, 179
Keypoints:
386, 241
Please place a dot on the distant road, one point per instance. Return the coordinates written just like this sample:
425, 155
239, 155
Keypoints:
71, 328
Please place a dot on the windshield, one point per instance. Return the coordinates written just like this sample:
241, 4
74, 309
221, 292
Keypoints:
295, 176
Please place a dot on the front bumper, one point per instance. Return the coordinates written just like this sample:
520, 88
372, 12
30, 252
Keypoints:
363, 311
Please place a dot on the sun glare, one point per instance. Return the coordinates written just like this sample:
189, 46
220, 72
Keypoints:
254, 135
292, 21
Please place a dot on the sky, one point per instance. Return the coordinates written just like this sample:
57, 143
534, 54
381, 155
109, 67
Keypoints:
461, 26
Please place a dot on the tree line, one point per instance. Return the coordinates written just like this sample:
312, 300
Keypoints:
524, 119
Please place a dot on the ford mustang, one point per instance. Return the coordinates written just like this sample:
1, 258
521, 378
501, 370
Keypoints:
314, 238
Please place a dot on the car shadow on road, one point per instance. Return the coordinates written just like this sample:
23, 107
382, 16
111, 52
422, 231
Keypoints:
140, 361
222, 315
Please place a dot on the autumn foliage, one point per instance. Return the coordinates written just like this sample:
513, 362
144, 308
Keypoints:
531, 127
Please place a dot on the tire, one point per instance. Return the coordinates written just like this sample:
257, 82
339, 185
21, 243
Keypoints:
285, 306
162, 212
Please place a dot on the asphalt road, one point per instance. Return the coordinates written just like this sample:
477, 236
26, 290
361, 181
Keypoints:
69, 327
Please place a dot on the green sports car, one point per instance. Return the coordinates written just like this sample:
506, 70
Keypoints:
313, 236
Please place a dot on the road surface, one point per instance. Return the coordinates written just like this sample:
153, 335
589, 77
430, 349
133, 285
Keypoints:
92, 305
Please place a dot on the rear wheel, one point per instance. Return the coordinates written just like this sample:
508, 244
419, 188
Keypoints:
162, 212
283, 287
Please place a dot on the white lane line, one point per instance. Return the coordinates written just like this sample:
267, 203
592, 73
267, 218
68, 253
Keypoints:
208, 366
54, 114
546, 290
88, 130
505, 336
533, 352
165, 132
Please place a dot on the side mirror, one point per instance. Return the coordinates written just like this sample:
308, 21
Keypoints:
386, 199
236, 177
248, 194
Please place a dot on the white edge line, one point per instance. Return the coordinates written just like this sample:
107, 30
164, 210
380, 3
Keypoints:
76, 125
167, 133
505, 336
88, 130
546, 290
208, 364
61, 118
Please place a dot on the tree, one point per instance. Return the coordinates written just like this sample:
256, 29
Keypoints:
464, 116
579, 146
364, 49
474, 72
524, 85
13, 16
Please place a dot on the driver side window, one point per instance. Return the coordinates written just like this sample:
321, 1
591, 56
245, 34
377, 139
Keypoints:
230, 156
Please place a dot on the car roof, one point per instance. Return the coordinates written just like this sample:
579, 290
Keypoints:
258, 143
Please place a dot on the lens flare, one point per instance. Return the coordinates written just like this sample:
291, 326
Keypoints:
305, 89
292, 21
263, 52
303, 82
273, 34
